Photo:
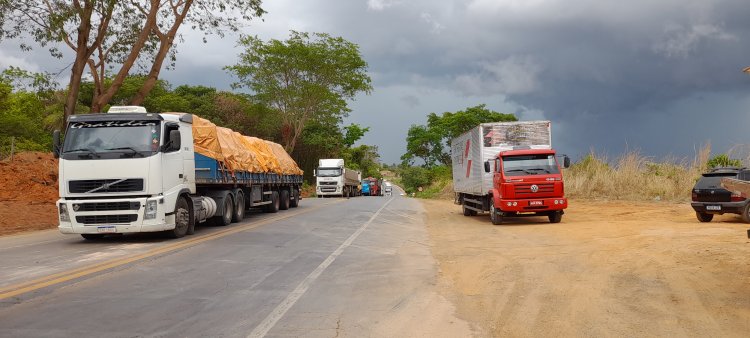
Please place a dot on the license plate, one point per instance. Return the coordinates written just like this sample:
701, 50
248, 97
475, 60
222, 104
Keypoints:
536, 203
713, 207
108, 229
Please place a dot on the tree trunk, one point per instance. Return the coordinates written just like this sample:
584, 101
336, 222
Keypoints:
124, 71
82, 56
165, 44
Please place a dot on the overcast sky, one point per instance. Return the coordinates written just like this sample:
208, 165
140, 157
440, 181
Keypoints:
662, 76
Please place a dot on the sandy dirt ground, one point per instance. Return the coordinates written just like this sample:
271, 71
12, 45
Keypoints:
609, 269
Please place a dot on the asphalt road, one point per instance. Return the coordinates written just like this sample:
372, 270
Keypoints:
330, 268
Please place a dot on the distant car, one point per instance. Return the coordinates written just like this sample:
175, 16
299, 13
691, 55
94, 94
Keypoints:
710, 199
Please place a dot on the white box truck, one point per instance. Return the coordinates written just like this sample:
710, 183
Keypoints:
334, 179
508, 169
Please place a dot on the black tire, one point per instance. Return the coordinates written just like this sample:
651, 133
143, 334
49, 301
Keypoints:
555, 217
284, 199
705, 218
746, 213
182, 219
294, 201
273, 207
467, 211
320, 196
92, 237
495, 215
239, 208
225, 218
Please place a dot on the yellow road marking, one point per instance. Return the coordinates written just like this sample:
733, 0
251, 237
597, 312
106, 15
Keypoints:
61, 277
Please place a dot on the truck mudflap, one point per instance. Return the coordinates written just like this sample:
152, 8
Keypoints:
538, 205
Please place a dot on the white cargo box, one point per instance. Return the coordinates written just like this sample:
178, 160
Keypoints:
470, 150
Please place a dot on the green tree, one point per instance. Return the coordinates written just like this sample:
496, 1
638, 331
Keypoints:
431, 143
306, 78
353, 133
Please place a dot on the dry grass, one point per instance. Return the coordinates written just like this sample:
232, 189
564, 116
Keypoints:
635, 177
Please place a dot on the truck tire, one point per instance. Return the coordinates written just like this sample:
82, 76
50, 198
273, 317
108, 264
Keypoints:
226, 218
705, 218
555, 217
495, 215
273, 207
284, 201
92, 237
294, 201
239, 208
746, 213
467, 211
182, 219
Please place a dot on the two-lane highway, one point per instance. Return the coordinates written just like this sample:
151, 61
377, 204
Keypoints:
332, 267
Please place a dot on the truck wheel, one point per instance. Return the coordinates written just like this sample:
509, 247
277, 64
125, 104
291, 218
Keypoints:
181, 219
274, 205
294, 201
555, 217
467, 211
746, 213
284, 202
92, 237
239, 208
226, 218
495, 216
705, 218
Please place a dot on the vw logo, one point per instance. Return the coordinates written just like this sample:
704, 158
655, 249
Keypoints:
534, 188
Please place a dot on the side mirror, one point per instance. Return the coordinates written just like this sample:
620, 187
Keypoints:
566, 162
56, 143
174, 140
315, 172
486, 166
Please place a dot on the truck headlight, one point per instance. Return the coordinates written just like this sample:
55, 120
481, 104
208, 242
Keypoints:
150, 209
64, 216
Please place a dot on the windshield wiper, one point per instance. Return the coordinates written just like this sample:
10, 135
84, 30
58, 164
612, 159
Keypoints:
91, 152
135, 152
515, 170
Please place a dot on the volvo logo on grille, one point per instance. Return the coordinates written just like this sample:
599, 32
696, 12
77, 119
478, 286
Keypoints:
534, 188
76, 207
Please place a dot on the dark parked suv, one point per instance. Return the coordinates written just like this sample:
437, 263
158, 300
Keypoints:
710, 199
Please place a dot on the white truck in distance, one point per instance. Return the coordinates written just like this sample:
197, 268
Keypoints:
334, 179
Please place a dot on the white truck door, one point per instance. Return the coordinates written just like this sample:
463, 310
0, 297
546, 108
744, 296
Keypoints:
173, 175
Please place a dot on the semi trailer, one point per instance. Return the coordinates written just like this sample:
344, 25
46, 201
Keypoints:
130, 171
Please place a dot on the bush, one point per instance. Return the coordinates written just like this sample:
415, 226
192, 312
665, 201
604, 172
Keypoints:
415, 177
723, 160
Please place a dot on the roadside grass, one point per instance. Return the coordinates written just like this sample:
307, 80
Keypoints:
633, 176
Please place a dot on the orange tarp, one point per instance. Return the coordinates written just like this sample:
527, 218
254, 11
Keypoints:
288, 165
240, 152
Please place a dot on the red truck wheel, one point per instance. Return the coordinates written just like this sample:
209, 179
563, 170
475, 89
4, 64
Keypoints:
495, 216
555, 217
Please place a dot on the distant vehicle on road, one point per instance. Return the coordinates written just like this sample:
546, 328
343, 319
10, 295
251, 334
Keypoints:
366, 188
387, 188
334, 179
709, 198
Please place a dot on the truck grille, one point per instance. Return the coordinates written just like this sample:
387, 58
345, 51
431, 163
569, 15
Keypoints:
106, 206
525, 189
328, 189
327, 183
84, 186
107, 219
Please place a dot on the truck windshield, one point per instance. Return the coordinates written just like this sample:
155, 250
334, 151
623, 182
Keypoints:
530, 165
329, 172
111, 139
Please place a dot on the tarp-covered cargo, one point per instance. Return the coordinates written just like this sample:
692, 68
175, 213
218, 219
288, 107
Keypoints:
288, 165
239, 152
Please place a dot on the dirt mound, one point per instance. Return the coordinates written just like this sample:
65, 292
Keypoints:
28, 191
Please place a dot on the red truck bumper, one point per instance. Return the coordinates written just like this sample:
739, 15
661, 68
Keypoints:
539, 205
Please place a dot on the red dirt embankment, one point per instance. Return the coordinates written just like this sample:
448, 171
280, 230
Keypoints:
28, 191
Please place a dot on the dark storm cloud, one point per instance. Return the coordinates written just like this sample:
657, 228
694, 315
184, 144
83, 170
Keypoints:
661, 76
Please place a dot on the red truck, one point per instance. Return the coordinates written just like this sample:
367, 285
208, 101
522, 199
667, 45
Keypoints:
509, 169
375, 186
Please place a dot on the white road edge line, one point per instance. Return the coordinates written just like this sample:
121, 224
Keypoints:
270, 321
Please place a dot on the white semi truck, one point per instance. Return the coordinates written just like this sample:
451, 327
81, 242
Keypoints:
130, 171
334, 179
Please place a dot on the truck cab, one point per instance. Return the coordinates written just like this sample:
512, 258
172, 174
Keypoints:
118, 172
527, 182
